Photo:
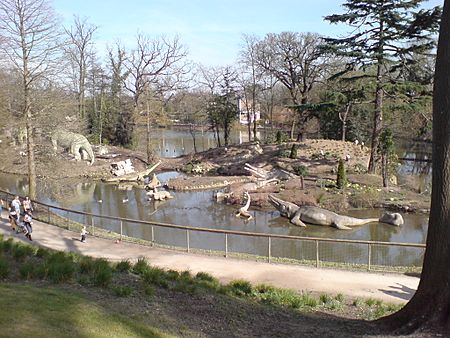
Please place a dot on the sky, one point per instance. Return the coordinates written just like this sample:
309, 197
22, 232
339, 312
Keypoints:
212, 30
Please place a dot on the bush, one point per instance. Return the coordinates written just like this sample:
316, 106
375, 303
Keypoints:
280, 137
341, 180
4, 267
123, 266
301, 170
293, 154
155, 276
60, 267
26, 270
240, 287
20, 251
86, 265
42, 252
102, 273
141, 266
122, 291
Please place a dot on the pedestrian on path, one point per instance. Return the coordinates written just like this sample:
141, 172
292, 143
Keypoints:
83, 234
26, 203
13, 218
15, 203
1, 207
27, 222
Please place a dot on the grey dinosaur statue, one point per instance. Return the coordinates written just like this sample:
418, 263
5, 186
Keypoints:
318, 216
77, 144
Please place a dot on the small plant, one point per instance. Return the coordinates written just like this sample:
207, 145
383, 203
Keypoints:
60, 268
240, 287
123, 266
341, 180
173, 275
42, 252
122, 291
26, 270
339, 297
155, 276
280, 137
301, 170
325, 299
149, 290
141, 266
20, 251
308, 300
4, 267
370, 302
102, 273
86, 265
293, 154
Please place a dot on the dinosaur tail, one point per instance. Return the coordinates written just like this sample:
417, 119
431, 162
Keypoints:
90, 153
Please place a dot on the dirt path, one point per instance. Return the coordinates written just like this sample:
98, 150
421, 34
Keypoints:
389, 287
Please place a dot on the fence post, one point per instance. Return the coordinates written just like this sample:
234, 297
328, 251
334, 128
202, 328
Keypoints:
187, 240
369, 258
317, 253
93, 226
226, 245
269, 251
121, 229
153, 237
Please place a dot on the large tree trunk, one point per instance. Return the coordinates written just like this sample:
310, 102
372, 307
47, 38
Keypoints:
429, 309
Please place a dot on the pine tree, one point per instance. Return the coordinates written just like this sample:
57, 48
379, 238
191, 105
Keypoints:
385, 35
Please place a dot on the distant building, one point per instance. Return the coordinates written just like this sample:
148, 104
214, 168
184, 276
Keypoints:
243, 116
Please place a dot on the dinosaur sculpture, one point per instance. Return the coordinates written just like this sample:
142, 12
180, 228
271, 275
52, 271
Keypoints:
318, 216
243, 212
77, 144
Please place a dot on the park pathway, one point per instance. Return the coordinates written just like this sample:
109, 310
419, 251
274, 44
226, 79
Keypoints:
389, 287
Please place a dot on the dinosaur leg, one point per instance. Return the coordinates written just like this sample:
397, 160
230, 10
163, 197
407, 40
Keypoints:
297, 221
341, 226
75, 149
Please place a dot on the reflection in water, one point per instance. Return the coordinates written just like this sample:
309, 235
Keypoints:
199, 209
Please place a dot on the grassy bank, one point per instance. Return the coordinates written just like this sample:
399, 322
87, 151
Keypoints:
47, 293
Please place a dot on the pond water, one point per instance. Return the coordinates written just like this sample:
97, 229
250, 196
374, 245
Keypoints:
199, 209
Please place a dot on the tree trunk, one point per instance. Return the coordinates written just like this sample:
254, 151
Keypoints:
429, 309
377, 123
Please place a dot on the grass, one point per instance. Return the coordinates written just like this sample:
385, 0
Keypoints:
62, 314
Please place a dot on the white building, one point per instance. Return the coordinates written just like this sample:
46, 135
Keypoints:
243, 116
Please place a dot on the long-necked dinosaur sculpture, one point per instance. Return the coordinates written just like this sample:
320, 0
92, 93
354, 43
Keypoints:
243, 212
318, 216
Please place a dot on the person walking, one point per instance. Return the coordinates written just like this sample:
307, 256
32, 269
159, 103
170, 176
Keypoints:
28, 222
83, 234
15, 203
13, 219
26, 203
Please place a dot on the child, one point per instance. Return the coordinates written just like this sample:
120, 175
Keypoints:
27, 222
83, 234
13, 219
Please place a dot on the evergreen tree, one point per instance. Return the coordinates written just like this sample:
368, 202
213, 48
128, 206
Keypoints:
385, 35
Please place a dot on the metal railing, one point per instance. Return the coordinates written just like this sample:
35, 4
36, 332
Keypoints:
325, 252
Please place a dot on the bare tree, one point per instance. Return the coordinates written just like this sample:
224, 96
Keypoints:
29, 40
80, 49
296, 61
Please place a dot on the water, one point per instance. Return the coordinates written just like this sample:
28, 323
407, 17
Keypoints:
199, 209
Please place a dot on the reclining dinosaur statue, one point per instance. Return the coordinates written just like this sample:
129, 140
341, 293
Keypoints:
77, 144
318, 216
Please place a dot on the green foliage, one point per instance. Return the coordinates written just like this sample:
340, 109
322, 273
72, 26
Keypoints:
240, 287
140, 266
60, 267
301, 170
102, 273
20, 251
122, 291
123, 266
293, 154
156, 276
4, 267
280, 137
341, 180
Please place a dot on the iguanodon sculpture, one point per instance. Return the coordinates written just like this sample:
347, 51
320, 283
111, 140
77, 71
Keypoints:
318, 216
77, 144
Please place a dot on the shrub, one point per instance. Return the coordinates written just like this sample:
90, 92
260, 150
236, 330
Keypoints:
26, 270
86, 265
4, 267
280, 137
325, 299
149, 290
301, 170
293, 154
122, 291
20, 251
42, 252
102, 273
123, 266
240, 287
339, 297
155, 276
60, 267
341, 180
140, 266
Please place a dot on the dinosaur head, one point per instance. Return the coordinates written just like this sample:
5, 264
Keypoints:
286, 209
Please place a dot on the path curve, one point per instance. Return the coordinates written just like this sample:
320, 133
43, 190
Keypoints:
389, 287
